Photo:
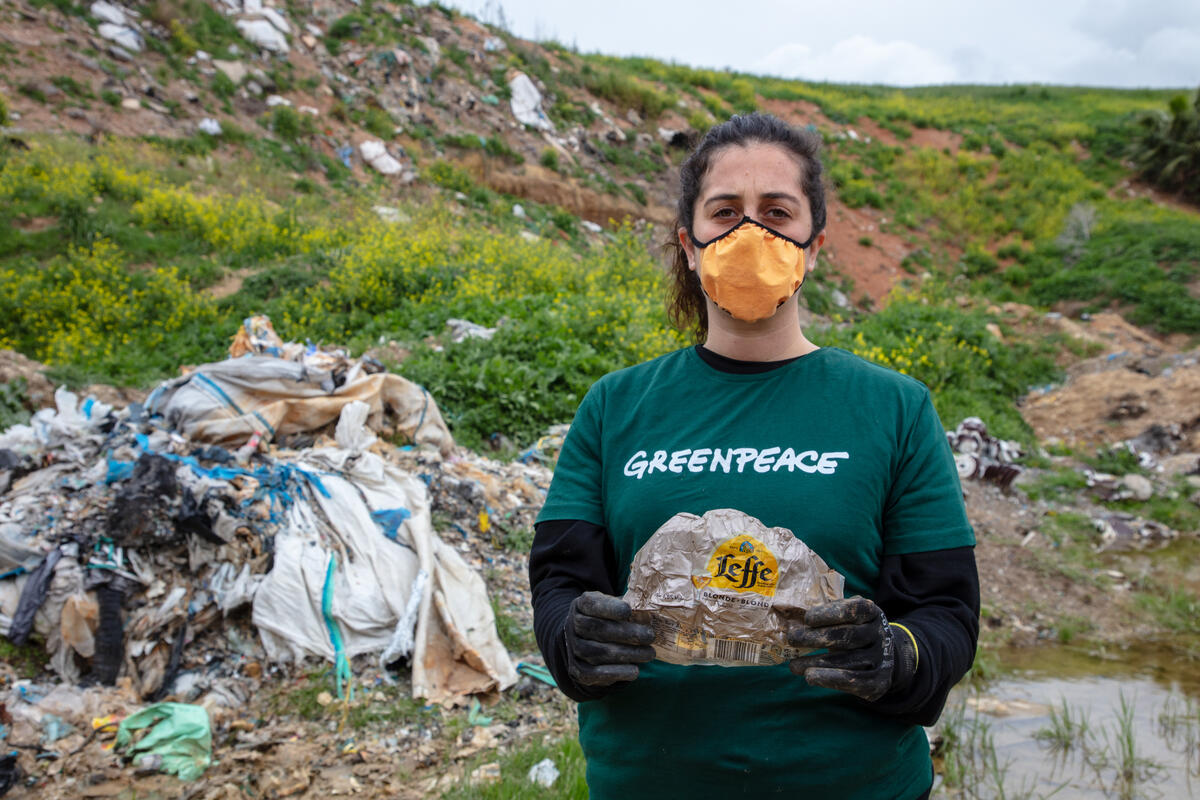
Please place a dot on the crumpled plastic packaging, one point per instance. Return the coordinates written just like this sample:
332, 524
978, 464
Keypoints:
723, 589
179, 733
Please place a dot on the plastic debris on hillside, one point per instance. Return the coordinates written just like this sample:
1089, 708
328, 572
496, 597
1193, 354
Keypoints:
526, 103
375, 153
277, 390
1127, 532
1119, 487
544, 773
981, 456
210, 126
262, 33
461, 329
124, 36
178, 739
107, 12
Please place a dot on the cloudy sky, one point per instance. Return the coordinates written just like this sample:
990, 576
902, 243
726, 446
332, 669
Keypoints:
1125, 43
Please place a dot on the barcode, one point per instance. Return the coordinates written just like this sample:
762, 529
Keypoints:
731, 650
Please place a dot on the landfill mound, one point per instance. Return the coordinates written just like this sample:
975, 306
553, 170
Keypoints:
1136, 381
154, 563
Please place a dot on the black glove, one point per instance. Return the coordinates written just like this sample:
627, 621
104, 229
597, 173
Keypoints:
863, 659
603, 645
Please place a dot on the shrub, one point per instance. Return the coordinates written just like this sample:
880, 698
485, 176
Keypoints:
1168, 150
288, 124
380, 123
448, 176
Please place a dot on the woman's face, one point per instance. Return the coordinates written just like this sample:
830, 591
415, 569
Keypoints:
757, 180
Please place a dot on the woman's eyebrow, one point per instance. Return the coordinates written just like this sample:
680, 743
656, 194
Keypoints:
721, 198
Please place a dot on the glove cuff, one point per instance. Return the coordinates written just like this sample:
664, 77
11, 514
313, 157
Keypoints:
906, 653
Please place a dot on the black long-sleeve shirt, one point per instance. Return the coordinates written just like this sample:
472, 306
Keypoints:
934, 594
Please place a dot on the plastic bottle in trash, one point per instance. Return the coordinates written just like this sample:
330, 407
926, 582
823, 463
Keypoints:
245, 451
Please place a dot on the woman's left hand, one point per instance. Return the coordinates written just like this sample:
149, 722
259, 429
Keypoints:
860, 657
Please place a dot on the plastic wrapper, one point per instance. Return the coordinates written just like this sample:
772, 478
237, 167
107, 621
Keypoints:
723, 589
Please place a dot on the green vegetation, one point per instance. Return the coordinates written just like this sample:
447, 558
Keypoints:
1067, 730
1175, 608
968, 371
1168, 150
514, 783
516, 637
12, 403
29, 659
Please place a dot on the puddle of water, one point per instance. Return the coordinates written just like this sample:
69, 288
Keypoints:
1157, 733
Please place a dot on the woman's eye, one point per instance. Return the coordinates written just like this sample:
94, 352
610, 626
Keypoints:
723, 213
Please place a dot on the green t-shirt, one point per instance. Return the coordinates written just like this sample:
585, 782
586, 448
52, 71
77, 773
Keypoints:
849, 456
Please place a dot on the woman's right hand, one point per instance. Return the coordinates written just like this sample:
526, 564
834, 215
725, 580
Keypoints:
604, 646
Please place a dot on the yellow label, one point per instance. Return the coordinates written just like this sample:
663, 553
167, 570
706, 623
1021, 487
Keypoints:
743, 564
690, 639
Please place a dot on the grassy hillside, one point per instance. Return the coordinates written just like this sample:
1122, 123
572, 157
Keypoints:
123, 256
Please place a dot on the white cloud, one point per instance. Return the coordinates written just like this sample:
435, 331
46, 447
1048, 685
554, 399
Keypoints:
1130, 24
860, 59
1171, 53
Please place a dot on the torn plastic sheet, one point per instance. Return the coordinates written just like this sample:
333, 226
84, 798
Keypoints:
228, 401
456, 650
32, 597
404, 636
390, 520
180, 734
526, 103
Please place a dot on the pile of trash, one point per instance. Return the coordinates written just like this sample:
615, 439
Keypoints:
981, 456
128, 535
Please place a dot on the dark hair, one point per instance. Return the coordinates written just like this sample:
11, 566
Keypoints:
685, 298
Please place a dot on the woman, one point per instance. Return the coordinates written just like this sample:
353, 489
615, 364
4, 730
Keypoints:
849, 456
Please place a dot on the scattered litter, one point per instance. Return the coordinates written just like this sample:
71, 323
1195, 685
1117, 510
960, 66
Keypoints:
178, 738
236, 71
107, 12
493, 44
488, 773
461, 329
276, 19
210, 126
537, 672
125, 37
375, 153
526, 103
1127, 532
263, 33
981, 456
1124, 487
544, 773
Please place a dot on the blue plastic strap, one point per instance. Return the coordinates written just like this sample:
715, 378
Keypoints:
341, 664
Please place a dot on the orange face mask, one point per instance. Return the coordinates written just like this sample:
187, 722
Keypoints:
751, 270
